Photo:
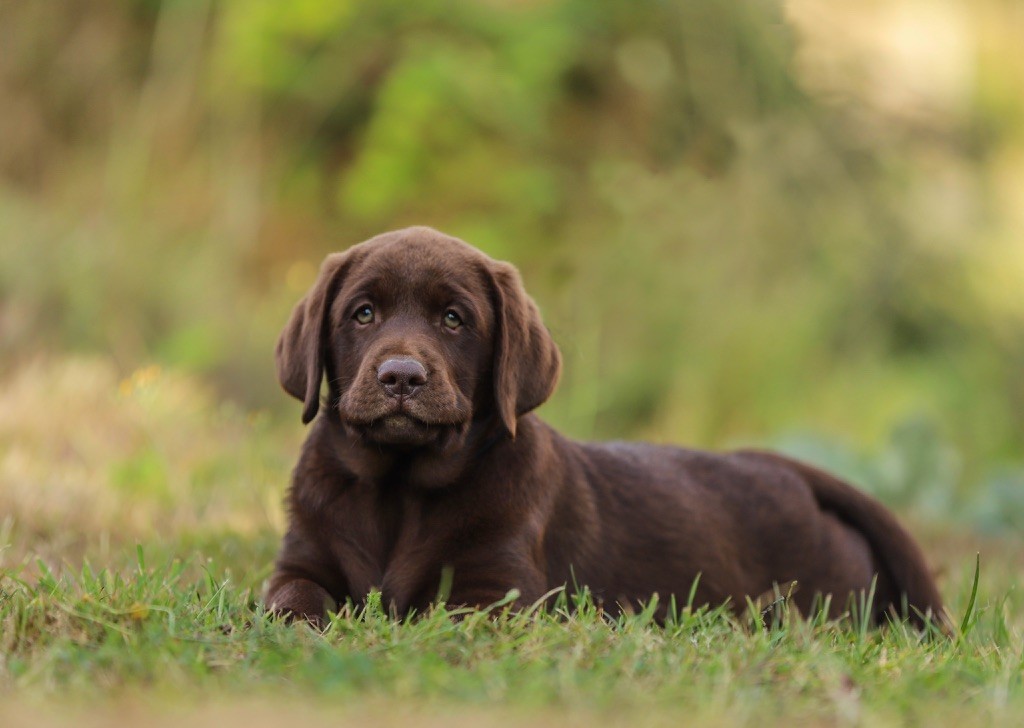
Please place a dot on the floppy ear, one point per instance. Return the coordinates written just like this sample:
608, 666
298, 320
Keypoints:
300, 350
527, 362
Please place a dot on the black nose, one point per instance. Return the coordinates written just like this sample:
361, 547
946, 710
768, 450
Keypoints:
401, 377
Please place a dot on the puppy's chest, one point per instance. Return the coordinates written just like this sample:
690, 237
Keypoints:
385, 543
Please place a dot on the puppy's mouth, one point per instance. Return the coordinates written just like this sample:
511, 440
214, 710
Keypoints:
400, 429
434, 417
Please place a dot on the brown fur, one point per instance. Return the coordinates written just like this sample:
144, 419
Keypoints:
389, 490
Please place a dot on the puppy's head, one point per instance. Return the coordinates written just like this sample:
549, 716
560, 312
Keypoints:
419, 335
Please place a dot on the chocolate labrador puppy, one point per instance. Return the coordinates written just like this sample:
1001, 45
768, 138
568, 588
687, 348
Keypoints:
426, 457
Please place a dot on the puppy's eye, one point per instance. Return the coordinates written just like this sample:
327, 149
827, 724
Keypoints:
452, 320
364, 314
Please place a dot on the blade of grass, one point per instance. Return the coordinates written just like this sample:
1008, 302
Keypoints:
967, 623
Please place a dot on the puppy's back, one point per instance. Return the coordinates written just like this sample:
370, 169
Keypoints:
744, 522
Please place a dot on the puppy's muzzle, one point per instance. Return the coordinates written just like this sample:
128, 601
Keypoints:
402, 378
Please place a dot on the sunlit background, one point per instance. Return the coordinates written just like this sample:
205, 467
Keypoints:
795, 224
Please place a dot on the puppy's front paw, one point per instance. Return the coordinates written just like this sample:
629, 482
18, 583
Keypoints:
301, 599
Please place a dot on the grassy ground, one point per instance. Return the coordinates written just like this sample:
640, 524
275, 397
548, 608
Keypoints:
139, 526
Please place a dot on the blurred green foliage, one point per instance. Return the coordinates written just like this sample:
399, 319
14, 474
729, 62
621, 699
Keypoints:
725, 242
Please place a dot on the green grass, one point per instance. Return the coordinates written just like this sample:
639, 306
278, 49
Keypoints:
183, 633
136, 535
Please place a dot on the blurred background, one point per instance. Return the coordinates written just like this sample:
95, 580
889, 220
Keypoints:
809, 213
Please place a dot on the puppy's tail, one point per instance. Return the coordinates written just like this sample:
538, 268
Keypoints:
894, 548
